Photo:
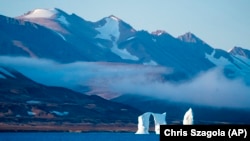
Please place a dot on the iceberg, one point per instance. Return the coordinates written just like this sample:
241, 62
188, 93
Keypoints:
143, 122
159, 119
188, 117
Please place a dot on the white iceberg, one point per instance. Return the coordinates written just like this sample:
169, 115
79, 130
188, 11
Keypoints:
188, 117
160, 119
143, 122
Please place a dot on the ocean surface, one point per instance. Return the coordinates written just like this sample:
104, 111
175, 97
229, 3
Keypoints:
54, 136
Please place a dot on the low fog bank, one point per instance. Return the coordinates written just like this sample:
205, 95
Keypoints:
208, 88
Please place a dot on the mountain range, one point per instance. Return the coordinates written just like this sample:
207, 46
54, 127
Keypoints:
25, 103
112, 51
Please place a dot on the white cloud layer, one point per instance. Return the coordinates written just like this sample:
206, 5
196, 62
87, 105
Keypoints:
209, 88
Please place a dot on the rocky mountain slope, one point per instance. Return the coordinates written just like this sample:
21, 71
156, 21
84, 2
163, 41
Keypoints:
25, 103
54, 34
54, 64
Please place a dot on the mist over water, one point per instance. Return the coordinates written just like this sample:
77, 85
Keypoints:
209, 88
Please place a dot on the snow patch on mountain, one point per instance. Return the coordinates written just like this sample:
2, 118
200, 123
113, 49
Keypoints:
63, 20
244, 65
158, 32
240, 65
110, 31
243, 58
239, 51
218, 62
114, 18
100, 45
59, 34
151, 62
123, 53
41, 13
223, 62
243, 62
130, 38
190, 38
2, 70
229, 50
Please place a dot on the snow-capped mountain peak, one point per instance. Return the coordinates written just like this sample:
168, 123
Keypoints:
190, 38
47, 17
110, 30
240, 52
159, 32
112, 39
114, 18
53, 13
41, 13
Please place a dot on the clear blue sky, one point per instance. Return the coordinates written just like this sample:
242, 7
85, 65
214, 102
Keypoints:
221, 23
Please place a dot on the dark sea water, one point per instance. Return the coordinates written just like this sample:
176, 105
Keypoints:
77, 137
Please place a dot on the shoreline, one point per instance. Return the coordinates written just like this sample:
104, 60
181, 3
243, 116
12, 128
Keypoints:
74, 128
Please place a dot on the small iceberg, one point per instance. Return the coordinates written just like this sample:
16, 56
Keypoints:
188, 117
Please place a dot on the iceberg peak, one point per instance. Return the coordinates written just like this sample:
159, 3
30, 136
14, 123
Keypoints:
188, 117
